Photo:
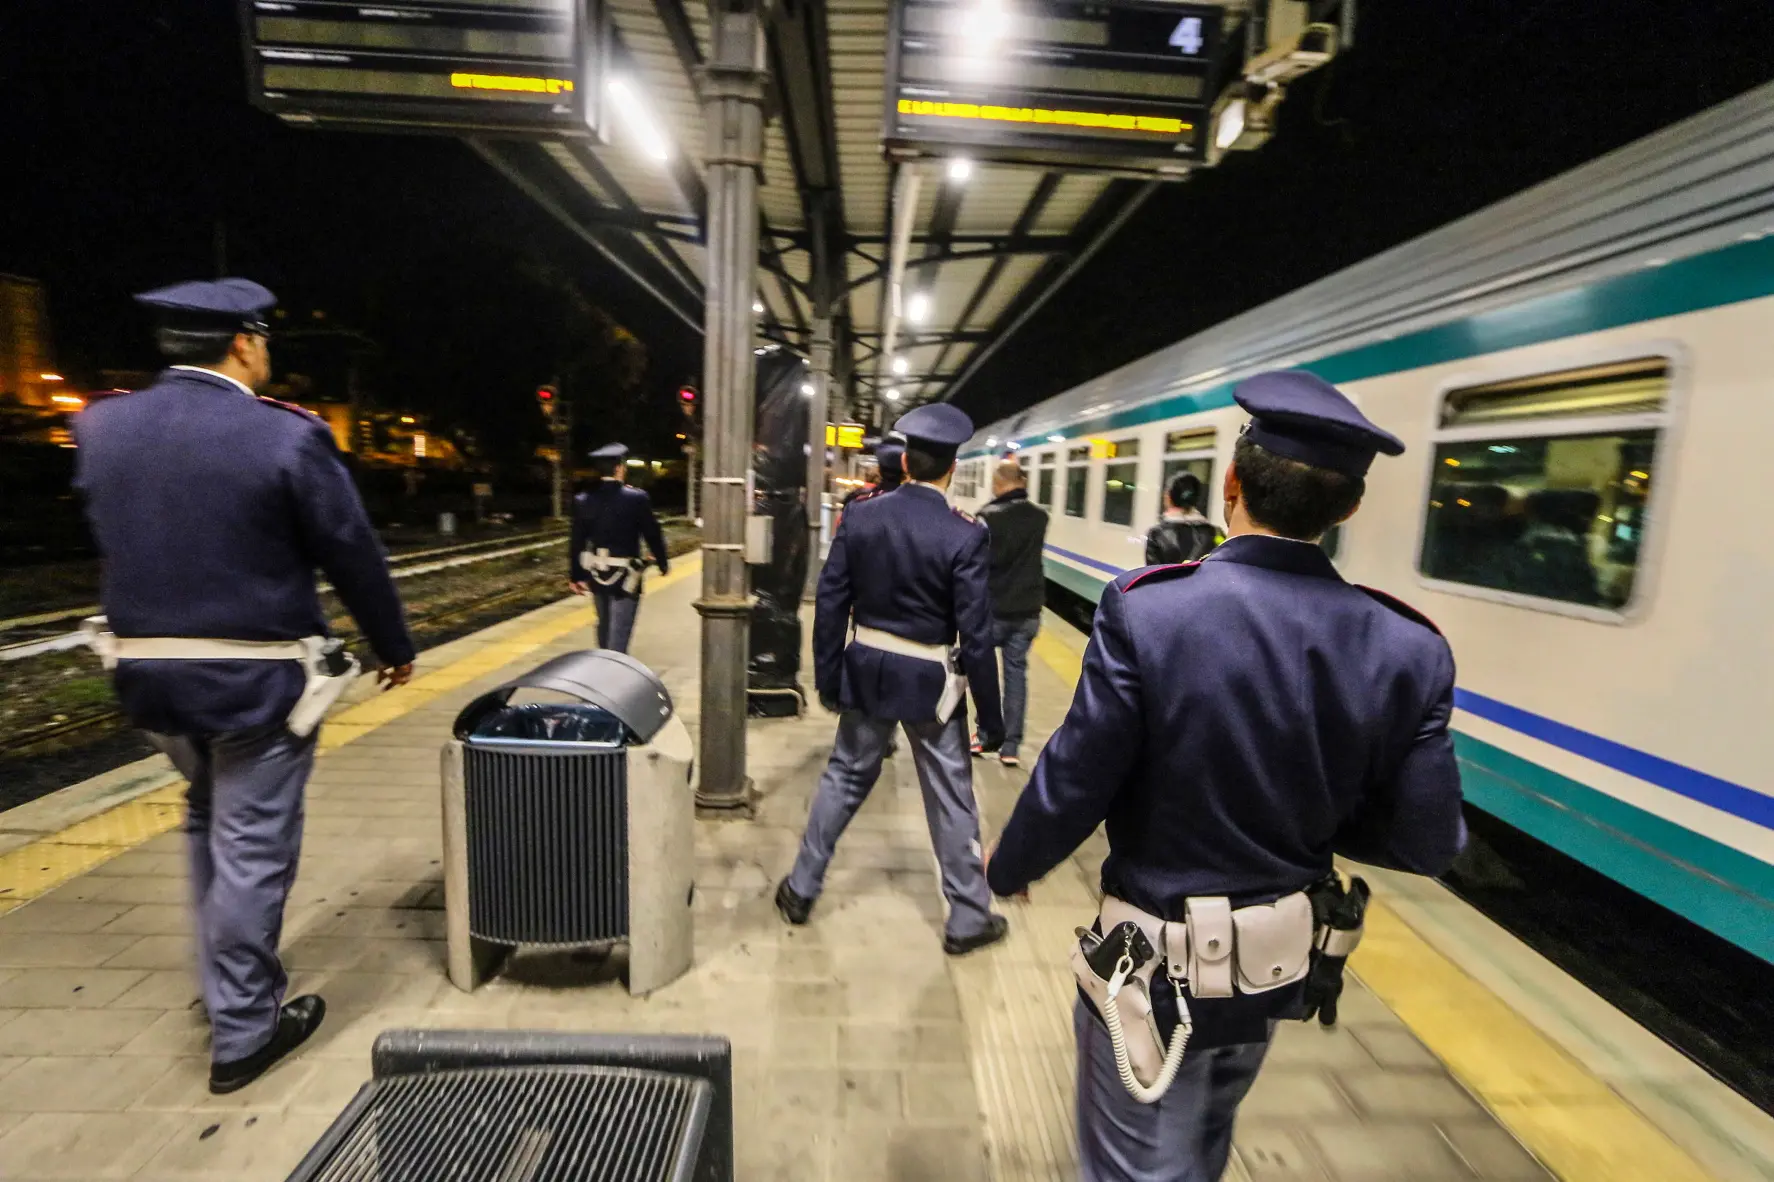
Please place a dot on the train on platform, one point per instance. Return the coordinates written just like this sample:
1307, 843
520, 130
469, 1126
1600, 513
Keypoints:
1583, 375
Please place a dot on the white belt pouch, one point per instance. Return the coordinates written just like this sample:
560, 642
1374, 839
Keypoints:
1217, 948
622, 574
319, 691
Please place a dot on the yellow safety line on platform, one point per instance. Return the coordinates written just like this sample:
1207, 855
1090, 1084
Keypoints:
1582, 1129
48, 862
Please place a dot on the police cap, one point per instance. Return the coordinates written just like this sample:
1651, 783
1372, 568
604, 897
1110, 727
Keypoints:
937, 427
1303, 417
212, 303
890, 455
610, 453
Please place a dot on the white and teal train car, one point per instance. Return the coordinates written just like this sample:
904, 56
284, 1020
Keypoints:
1583, 376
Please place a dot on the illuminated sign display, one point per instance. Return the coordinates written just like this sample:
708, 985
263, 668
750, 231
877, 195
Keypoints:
844, 435
1113, 85
507, 66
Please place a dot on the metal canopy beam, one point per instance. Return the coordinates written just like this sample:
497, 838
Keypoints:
1118, 202
509, 160
1031, 211
800, 68
606, 180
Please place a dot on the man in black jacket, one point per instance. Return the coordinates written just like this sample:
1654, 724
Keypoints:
1019, 590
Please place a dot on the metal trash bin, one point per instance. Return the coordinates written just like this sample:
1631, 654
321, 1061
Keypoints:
570, 823
498, 1105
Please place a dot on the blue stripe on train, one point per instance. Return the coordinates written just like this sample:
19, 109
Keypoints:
1728, 892
1744, 803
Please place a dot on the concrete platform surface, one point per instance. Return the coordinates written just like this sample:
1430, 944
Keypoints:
861, 1051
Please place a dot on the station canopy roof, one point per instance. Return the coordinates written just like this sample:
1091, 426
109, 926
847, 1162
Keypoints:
985, 250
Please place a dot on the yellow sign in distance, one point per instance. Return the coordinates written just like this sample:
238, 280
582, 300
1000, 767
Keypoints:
844, 435
1156, 124
511, 82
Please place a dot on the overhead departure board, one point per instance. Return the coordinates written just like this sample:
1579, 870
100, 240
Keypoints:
1121, 85
450, 66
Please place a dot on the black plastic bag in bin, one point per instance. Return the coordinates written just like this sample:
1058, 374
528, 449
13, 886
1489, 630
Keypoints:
555, 722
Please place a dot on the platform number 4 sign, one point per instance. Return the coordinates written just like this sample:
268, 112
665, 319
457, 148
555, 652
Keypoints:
1187, 35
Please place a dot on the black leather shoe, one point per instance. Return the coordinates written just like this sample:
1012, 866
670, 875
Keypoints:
295, 1022
962, 945
793, 908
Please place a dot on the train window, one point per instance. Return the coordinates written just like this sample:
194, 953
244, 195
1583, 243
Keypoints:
1188, 451
1044, 479
1201, 469
1541, 484
1194, 439
1077, 476
1121, 481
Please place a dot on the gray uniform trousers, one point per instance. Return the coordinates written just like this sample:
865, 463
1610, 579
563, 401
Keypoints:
945, 773
1185, 1137
243, 830
615, 617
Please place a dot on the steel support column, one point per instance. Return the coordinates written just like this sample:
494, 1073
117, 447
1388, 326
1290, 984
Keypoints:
820, 378
732, 92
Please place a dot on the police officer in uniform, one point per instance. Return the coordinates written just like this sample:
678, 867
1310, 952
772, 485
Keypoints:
889, 474
610, 520
1238, 721
212, 508
905, 575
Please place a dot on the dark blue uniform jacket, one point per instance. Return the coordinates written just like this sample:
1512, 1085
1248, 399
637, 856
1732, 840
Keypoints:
905, 562
212, 509
612, 516
1239, 721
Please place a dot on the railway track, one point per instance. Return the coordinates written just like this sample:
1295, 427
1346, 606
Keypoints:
61, 731
74, 725
401, 566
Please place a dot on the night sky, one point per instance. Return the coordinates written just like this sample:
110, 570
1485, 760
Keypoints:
127, 139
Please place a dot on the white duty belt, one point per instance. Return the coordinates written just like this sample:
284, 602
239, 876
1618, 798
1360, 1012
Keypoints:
320, 690
614, 572
1215, 951
954, 686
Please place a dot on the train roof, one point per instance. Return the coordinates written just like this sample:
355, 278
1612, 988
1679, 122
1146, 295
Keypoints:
1701, 187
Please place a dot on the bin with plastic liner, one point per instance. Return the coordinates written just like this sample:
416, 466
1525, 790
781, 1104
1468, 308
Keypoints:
571, 821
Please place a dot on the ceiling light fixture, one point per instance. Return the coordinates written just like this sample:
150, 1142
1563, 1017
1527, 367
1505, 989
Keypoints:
646, 134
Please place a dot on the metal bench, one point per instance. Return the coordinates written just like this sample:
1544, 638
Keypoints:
511, 1106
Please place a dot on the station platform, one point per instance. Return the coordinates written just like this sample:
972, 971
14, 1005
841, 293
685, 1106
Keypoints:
860, 1051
